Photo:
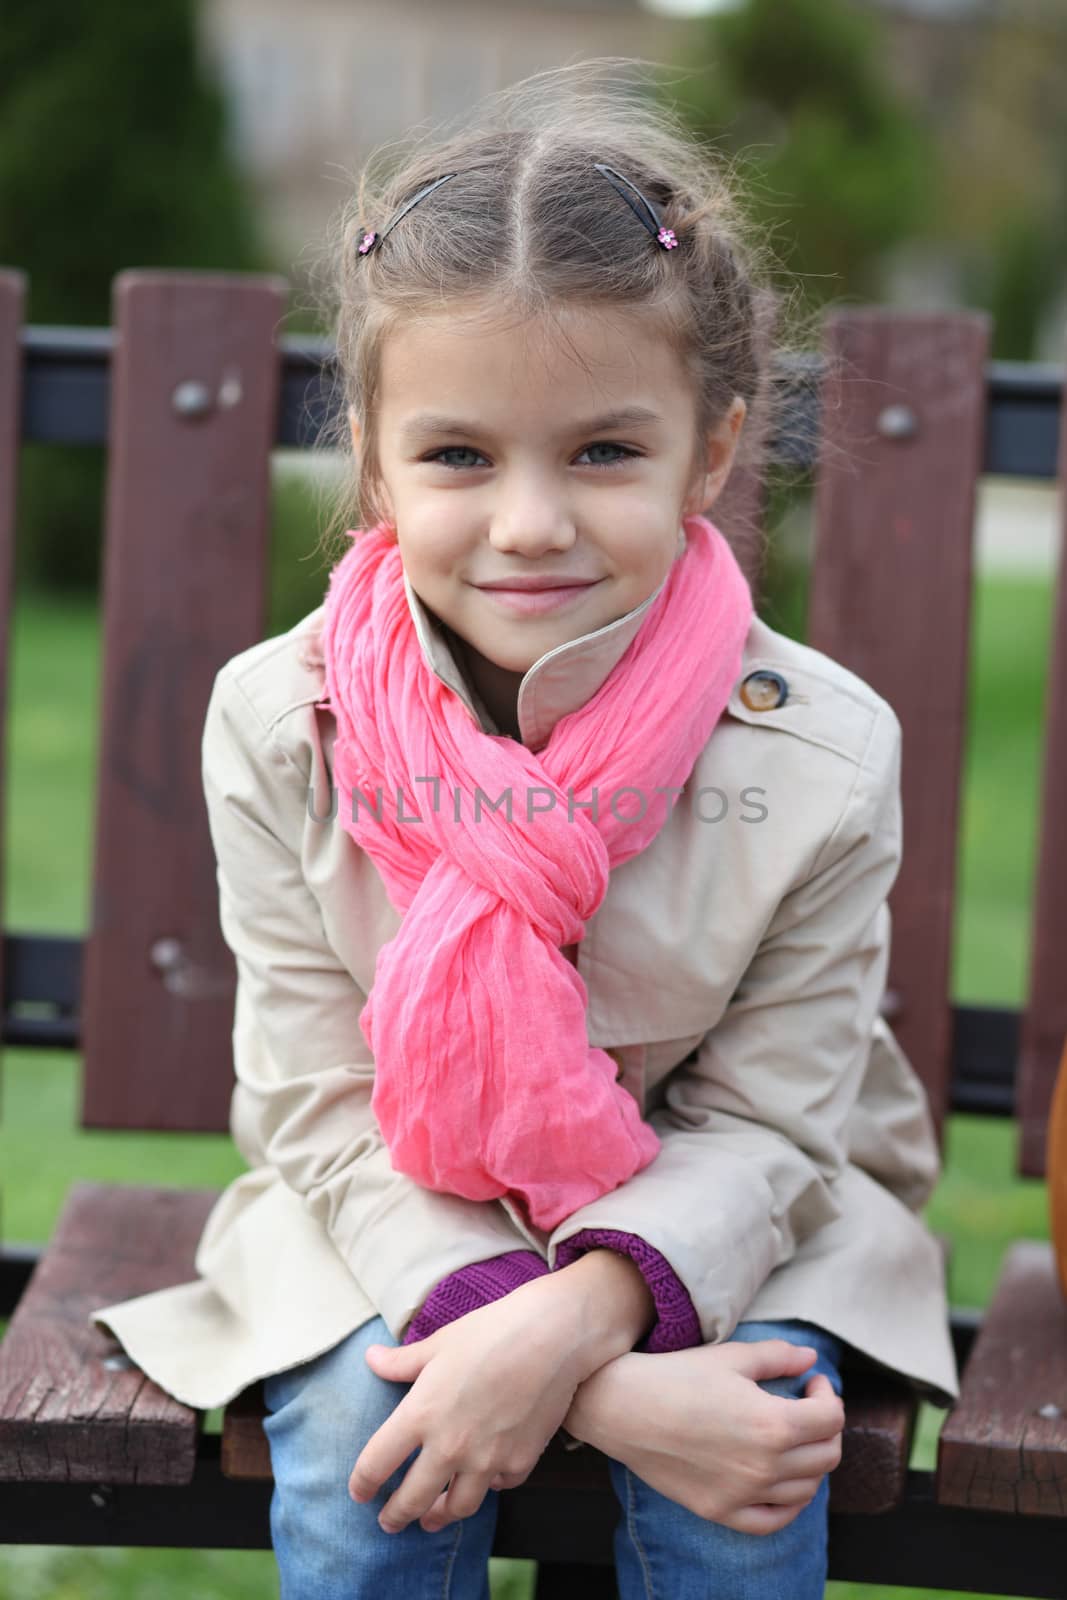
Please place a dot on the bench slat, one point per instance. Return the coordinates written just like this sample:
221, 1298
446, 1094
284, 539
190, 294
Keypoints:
1003, 1446
245, 1450
194, 401
890, 598
880, 1416
1044, 1026
64, 1415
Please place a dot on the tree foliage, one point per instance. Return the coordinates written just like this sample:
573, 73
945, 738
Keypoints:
113, 154
837, 165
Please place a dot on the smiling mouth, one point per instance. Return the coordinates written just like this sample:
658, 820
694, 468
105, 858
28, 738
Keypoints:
533, 601
519, 585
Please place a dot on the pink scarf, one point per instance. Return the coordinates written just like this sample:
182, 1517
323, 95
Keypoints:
485, 1083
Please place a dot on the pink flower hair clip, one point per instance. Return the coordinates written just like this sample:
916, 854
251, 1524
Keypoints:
649, 218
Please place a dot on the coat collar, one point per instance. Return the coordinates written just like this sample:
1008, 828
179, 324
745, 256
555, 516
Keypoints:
559, 682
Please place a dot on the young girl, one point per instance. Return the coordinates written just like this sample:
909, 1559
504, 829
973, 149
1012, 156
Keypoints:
556, 881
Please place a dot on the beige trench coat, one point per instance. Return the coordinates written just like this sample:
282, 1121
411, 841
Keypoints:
735, 968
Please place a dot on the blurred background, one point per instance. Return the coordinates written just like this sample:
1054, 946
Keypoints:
907, 152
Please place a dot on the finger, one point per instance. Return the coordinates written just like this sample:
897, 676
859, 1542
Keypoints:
466, 1495
436, 1517
793, 1491
439, 1516
400, 1363
763, 1519
820, 1388
771, 1358
508, 1480
420, 1488
808, 1460
813, 1417
383, 1453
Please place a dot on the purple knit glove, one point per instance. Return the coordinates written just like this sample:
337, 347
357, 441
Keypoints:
477, 1284
677, 1326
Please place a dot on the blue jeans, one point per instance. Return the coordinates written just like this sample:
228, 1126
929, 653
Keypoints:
328, 1547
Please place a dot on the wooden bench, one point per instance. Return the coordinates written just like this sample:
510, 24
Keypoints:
191, 391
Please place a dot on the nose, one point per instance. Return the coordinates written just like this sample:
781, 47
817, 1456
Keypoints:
530, 519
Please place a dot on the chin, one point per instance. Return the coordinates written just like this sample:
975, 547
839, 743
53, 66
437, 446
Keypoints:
512, 661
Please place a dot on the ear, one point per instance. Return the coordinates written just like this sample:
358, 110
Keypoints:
714, 469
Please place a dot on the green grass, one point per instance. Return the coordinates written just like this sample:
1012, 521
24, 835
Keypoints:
51, 760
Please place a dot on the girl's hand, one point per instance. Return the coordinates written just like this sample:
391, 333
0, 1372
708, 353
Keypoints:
488, 1393
695, 1425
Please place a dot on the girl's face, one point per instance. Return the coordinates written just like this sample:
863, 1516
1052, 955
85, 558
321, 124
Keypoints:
503, 457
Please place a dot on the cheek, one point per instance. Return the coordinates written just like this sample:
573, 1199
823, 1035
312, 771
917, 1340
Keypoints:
647, 558
428, 531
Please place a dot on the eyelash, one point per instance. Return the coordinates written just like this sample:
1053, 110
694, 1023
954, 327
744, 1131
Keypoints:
602, 466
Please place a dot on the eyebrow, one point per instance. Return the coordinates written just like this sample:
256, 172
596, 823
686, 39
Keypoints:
431, 422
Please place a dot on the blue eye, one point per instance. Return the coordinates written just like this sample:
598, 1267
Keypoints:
455, 450
623, 453
619, 453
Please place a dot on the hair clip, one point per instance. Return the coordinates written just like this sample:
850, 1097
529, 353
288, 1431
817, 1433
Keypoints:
653, 222
372, 238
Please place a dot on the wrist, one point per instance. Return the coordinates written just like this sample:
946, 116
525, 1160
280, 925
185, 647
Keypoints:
611, 1303
591, 1405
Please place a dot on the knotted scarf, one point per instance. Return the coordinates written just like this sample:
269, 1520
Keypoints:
485, 1084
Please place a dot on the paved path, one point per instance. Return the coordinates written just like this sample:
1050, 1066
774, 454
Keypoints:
1017, 527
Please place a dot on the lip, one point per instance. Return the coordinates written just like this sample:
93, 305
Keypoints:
531, 602
532, 582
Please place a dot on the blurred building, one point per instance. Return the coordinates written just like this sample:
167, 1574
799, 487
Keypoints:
314, 87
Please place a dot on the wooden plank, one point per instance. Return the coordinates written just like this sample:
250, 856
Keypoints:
880, 1414
12, 311
871, 1476
1003, 1446
245, 1449
66, 1414
900, 450
194, 399
1044, 1025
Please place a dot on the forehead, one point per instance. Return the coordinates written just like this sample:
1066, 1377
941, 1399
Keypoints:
578, 361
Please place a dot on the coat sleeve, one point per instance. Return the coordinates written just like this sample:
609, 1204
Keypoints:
472, 1287
676, 1325
305, 1073
752, 1131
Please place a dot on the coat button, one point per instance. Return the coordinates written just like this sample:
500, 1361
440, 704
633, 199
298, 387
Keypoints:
764, 691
